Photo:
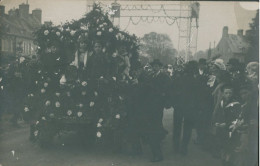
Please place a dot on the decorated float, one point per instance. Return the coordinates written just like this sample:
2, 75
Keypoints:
64, 96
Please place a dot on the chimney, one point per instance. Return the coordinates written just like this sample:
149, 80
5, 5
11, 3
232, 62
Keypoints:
2, 10
24, 10
240, 32
37, 13
225, 32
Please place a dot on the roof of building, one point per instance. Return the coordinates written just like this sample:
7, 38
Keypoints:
20, 26
237, 43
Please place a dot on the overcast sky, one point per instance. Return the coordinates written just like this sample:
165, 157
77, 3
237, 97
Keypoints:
213, 16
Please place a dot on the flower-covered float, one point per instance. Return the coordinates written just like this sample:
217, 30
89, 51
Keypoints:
64, 96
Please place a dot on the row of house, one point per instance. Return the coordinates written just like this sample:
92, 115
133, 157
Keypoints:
16, 30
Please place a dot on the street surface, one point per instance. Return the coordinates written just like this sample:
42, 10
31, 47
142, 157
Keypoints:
17, 150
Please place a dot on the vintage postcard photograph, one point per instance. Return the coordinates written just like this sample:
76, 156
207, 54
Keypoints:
129, 83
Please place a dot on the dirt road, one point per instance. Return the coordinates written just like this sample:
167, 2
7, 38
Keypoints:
17, 150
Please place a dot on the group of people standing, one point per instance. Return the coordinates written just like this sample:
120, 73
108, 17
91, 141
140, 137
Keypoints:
219, 101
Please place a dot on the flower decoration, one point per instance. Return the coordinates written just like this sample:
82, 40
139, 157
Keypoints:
84, 83
58, 33
110, 30
57, 94
43, 90
99, 134
36, 133
91, 104
37, 122
117, 116
99, 125
114, 55
99, 33
72, 33
36, 82
79, 114
68, 94
57, 104
43, 118
114, 78
101, 77
26, 109
100, 120
81, 105
69, 112
48, 102
45, 84
46, 32
95, 93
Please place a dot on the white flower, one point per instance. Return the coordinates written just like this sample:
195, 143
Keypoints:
86, 34
99, 33
100, 120
36, 82
43, 90
83, 93
48, 102
31, 95
101, 77
114, 78
45, 84
57, 104
84, 83
105, 24
69, 112
36, 133
80, 105
63, 80
58, 33
68, 29
99, 125
121, 98
79, 114
46, 32
57, 94
101, 25
37, 122
72, 33
91, 104
2, 87
1, 79
52, 115
43, 118
26, 109
114, 54
99, 134
110, 30
95, 93
22, 59
84, 27
117, 116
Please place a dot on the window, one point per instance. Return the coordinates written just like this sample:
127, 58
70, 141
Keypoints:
5, 45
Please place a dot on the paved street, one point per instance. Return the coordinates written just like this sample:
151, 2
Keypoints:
17, 150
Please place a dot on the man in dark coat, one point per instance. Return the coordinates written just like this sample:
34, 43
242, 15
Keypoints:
185, 106
205, 105
152, 97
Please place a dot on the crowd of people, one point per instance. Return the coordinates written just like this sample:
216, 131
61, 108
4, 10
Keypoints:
219, 101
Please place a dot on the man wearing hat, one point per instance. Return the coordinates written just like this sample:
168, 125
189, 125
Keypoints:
152, 97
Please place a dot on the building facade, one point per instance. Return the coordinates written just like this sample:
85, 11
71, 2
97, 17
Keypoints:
231, 46
17, 31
